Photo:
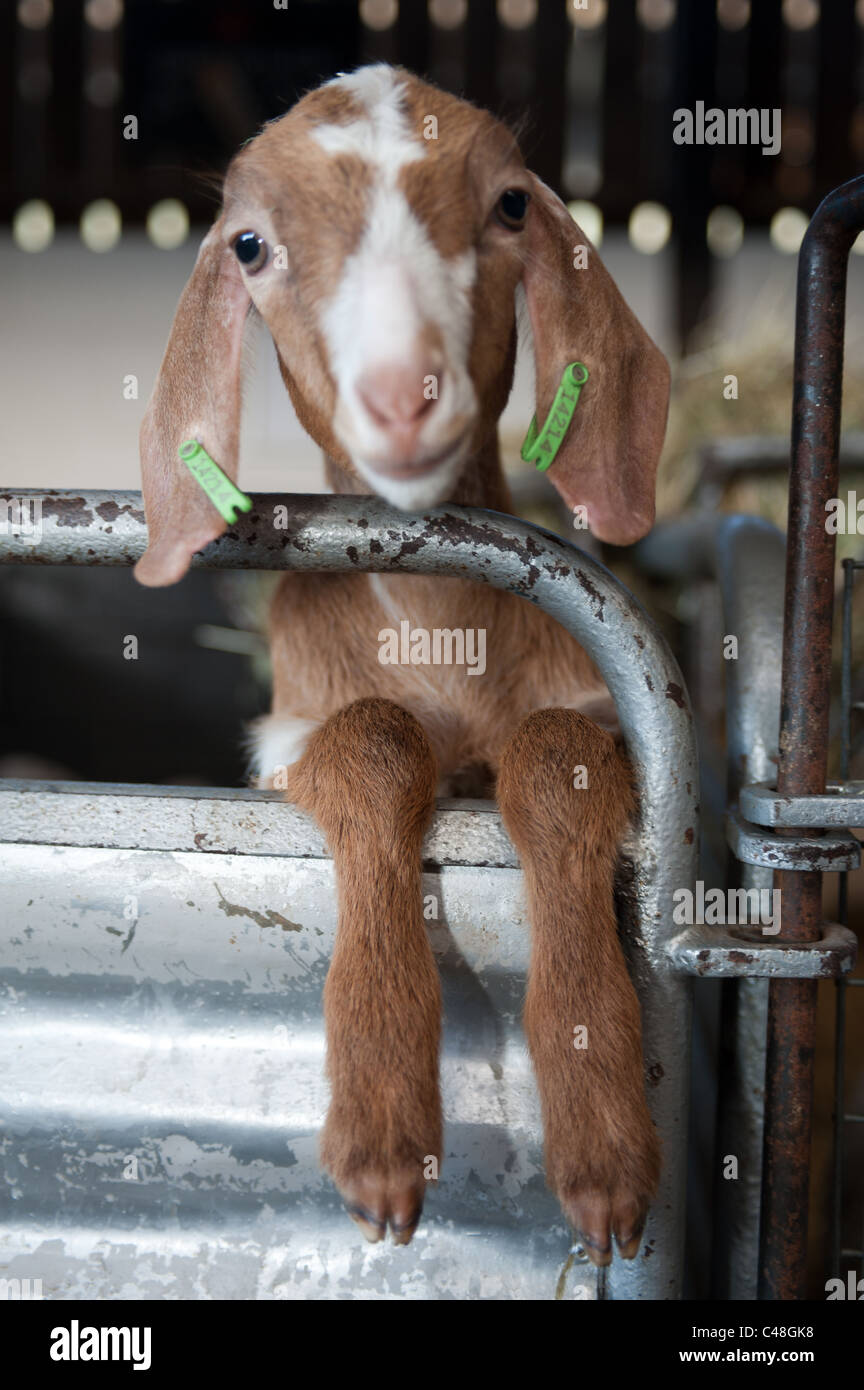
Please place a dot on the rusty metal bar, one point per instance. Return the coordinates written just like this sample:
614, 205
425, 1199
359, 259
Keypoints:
804, 716
837, 1252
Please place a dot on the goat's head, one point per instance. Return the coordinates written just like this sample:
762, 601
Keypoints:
381, 229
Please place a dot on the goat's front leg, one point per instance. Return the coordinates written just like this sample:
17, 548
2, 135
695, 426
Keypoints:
581, 1012
368, 775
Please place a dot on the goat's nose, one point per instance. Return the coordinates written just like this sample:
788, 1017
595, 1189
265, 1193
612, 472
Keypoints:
397, 395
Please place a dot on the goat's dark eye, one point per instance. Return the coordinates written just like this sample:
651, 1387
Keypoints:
512, 207
251, 251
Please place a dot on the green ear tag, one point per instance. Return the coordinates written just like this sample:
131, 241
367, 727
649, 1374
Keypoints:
226, 498
541, 447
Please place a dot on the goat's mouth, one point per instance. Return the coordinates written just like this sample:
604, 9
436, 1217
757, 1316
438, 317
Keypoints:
426, 463
426, 480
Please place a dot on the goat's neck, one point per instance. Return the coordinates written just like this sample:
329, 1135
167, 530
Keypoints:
481, 483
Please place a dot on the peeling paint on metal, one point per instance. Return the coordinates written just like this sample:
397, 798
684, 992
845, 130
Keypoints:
268, 919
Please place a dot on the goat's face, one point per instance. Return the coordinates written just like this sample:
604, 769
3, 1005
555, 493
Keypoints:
379, 229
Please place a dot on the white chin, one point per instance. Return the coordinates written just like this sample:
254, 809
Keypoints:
415, 494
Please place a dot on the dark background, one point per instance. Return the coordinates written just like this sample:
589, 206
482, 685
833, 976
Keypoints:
594, 100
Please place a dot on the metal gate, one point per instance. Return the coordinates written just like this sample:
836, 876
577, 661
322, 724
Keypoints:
164, 950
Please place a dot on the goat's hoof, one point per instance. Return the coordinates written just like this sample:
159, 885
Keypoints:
402, 1233
376, 1202
596, 1216
372, 1229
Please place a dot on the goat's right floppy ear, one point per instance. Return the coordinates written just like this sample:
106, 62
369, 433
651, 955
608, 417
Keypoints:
196, 396
608, 459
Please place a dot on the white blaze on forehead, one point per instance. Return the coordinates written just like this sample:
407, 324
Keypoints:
396, 283
376, 288
382, 135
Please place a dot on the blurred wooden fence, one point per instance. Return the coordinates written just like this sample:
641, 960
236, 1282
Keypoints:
593, 96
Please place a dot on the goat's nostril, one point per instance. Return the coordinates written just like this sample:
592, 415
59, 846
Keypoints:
397, 395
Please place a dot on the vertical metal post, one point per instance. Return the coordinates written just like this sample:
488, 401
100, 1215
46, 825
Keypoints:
804, 715
839, 1181
749, 560
746, 557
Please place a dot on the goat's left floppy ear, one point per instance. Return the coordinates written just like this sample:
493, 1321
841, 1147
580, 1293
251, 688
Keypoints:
607, 462
196, 396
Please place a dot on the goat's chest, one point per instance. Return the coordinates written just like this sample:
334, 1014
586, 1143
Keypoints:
467, 660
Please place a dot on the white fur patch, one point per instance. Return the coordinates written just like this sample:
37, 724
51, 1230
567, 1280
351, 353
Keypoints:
381, 590
382, 136
395, 284
524, 331
277, 742
416, 494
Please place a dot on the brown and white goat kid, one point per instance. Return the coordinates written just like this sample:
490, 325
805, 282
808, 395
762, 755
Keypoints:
379, 258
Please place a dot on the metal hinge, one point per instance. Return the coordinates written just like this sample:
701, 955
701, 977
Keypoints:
841, 805
753, 844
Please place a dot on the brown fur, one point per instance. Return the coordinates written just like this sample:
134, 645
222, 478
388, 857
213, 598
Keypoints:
368, 776
388, 733
602, 1154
